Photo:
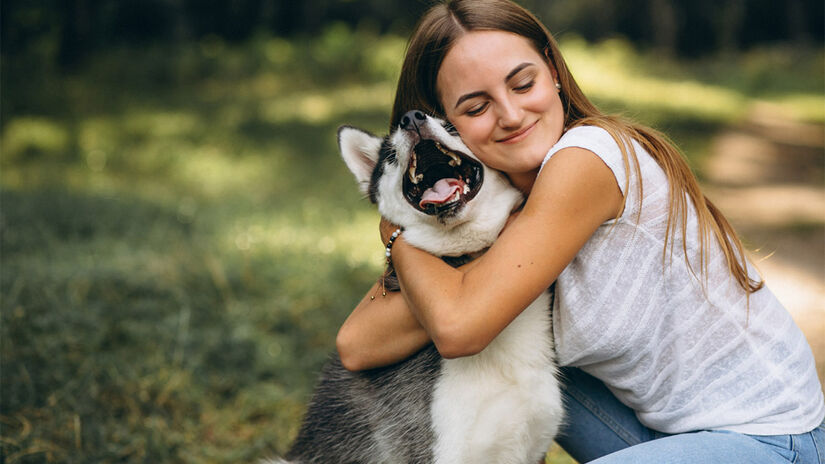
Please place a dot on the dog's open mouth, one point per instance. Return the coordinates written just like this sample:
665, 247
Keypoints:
440, 181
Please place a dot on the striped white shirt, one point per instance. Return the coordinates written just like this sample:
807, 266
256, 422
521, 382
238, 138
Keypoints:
685, 353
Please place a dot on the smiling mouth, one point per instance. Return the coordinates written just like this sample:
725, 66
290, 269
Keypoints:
517, 134
439, 181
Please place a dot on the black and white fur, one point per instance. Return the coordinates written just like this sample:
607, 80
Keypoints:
500, 406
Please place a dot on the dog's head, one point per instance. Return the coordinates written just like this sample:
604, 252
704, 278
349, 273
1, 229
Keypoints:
423, 178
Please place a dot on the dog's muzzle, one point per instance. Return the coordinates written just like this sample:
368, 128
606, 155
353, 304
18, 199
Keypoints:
440, 181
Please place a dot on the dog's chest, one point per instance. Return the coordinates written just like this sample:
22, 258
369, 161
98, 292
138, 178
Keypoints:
502, 401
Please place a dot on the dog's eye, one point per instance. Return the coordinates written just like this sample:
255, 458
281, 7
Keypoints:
450, 128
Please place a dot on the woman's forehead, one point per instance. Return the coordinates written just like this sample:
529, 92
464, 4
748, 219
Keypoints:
489, 48
483, 58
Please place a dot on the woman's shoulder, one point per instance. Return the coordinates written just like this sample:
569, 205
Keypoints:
587, 131
593, 138
596, 140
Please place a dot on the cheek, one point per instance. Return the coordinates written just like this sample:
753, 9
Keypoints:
545, 100
475, 132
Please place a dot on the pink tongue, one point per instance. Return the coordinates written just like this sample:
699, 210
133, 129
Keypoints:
443, 191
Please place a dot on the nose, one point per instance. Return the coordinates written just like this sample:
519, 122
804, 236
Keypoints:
412, 120
509, 114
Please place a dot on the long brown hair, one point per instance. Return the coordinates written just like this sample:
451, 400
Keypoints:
445, 22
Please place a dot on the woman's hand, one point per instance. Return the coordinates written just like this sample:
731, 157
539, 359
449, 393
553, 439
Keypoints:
379, 332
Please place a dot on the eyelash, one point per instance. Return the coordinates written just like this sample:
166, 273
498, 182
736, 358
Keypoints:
476, 112
525, 87
520, 89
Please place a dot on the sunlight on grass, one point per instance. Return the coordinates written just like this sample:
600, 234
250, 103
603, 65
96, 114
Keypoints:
355, 237
556, 455
328, 105
802, 107
612, 71
208, 171
163, 124
615, 72
100, 134
31, 137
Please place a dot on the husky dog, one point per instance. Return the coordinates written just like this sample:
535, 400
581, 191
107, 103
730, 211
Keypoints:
501, 405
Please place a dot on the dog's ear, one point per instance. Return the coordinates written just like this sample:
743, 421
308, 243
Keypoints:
360, 151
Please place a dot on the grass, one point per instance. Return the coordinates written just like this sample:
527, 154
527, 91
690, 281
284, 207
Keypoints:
180, 241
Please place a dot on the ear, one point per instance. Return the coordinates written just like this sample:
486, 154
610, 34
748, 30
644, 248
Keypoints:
551, 63
360, 151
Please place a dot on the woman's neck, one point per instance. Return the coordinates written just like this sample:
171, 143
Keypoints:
523, 180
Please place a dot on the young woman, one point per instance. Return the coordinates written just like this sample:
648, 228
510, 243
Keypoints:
676, 351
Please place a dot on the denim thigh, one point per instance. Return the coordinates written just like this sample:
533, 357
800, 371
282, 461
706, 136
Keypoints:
599, 427
596, 423
719, 447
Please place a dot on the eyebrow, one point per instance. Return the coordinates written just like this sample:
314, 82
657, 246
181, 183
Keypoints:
479, 93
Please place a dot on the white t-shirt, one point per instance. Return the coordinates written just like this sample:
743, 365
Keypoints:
685, 353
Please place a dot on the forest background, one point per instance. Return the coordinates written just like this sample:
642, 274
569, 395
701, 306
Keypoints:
179, 240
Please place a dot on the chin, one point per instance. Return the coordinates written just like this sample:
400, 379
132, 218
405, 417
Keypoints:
527, 164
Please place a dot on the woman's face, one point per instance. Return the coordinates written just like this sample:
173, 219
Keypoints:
500, 95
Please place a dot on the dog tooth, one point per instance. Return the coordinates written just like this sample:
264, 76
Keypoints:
413, 166
456, 160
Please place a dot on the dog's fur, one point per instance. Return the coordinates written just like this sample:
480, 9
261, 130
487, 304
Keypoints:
500, 406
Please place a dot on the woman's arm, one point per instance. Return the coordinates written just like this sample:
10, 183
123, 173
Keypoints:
462, 310
381, 331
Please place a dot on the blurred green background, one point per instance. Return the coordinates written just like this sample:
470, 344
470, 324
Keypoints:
180, 240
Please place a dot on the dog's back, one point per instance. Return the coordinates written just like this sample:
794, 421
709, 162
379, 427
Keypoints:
375, 416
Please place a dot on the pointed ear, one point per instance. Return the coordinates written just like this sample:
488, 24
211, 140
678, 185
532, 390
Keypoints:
360, 151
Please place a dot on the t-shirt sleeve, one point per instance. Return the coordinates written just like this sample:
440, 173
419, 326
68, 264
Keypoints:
598, 141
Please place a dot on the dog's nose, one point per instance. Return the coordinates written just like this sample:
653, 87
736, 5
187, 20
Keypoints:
412, 119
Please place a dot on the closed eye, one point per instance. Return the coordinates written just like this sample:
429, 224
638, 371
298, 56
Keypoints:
525, 87
476, 110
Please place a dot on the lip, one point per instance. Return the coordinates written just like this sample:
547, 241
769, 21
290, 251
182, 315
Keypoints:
518, 136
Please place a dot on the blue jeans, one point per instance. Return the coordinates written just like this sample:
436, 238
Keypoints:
600, 429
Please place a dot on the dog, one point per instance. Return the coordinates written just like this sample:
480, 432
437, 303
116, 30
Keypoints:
502, 405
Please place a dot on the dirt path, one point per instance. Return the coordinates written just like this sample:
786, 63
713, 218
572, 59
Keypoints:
768, 176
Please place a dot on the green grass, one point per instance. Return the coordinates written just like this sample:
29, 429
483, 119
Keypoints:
180, 241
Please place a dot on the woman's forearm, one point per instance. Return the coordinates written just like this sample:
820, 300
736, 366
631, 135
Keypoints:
433, 293
379, 332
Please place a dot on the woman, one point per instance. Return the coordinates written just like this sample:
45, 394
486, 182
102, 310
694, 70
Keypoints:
676, 351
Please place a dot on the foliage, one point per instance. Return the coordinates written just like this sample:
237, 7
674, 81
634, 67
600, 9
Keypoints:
74, 29
180, 241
